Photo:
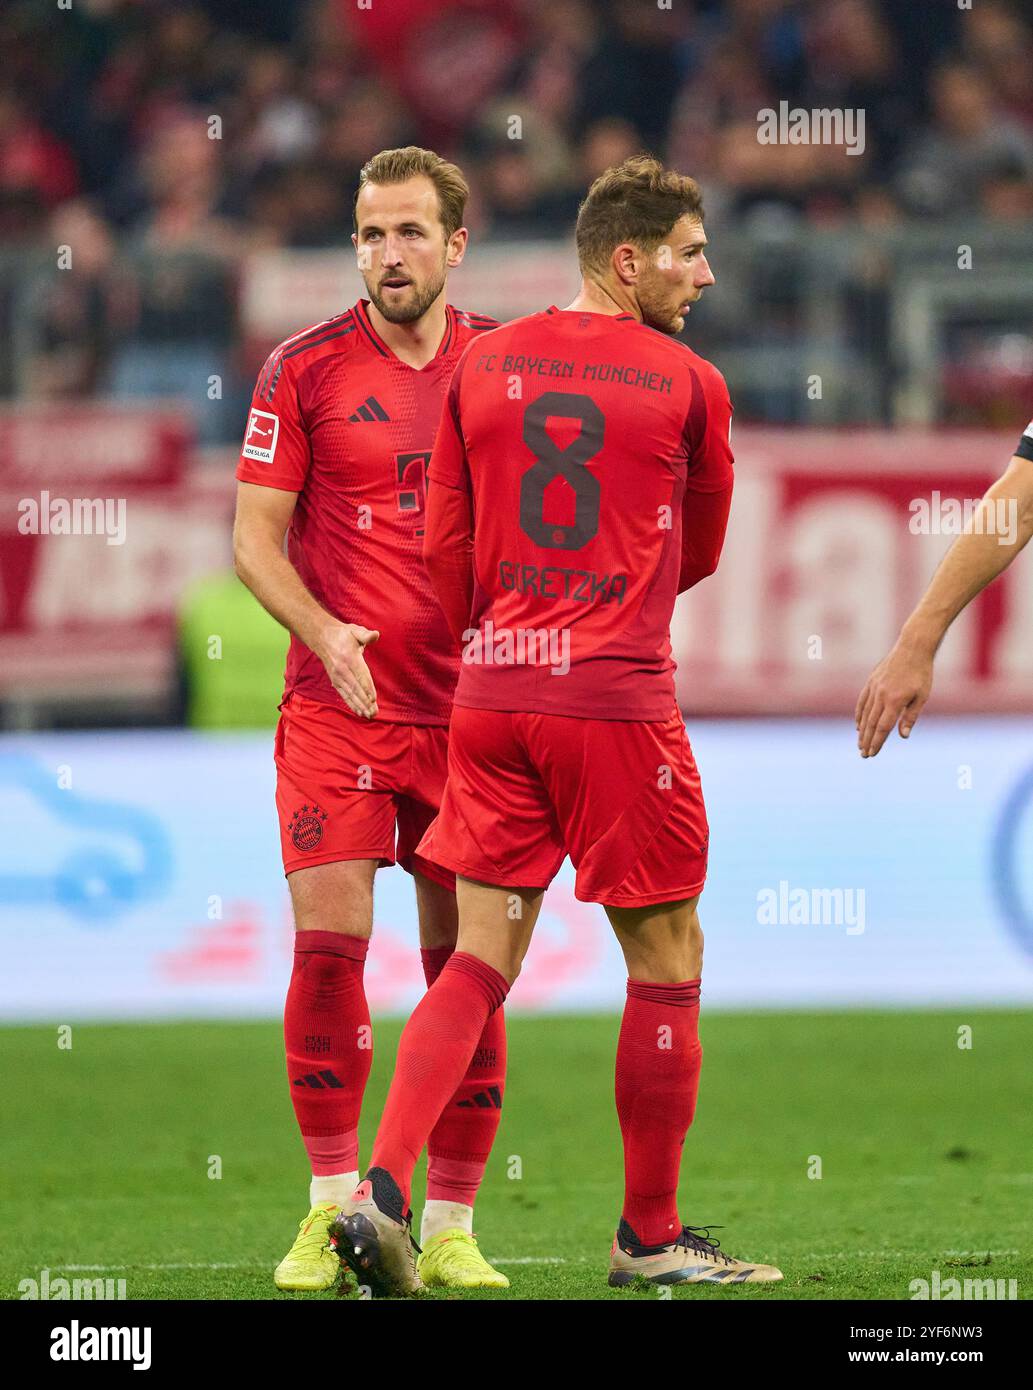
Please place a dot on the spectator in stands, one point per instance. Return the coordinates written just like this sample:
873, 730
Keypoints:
943, 167
298, 205
30, 157
635, 70
278, 123
1006, 193
563, 34
512, 191
371, 119
37, 171
607, 142
179, 274
524, 164
998, 43
726, 88
854, 62
65, 316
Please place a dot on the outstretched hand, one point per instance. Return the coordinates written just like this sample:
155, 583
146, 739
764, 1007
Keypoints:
895, 693
343, 656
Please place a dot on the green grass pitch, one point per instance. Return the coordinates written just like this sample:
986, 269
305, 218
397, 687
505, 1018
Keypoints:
925, 1150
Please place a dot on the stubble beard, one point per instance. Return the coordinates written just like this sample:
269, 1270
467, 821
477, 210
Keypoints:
654, 305
416, 306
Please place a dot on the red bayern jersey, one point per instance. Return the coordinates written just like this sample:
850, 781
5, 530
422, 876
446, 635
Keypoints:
595, 452
342, 421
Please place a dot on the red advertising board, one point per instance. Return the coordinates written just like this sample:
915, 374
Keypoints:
833, 537
103, 522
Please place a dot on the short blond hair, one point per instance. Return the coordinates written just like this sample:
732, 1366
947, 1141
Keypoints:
395, 166
637, 201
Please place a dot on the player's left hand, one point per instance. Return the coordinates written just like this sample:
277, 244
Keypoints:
895, 693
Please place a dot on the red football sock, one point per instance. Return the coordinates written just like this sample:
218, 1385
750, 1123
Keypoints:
437, 1046
658, 1063
460, 1142
329, 1046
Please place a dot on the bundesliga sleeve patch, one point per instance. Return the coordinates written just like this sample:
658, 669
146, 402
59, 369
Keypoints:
260, 439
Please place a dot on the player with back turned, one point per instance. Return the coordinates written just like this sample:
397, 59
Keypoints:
340, 429
581, 479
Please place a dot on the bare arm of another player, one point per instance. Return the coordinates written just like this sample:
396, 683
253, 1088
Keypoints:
263, 515
898, 688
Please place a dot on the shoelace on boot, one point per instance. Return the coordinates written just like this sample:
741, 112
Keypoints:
453, 1250
312, 1241
691, 1239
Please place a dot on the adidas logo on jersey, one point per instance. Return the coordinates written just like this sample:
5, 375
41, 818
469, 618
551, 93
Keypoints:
371, 409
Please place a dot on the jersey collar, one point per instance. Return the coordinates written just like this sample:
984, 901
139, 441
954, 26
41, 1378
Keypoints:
376, 342
626, 318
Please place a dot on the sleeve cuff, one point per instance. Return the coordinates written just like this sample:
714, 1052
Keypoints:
455, 486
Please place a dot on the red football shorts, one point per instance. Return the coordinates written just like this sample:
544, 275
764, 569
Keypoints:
344, 786
621, 797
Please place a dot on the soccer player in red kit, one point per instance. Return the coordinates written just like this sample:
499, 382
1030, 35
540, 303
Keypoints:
340, 431
581, 479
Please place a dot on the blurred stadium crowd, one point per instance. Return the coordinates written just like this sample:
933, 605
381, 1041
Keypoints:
107, 145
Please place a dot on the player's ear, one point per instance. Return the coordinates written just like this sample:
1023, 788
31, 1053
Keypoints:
625, 262
457, 244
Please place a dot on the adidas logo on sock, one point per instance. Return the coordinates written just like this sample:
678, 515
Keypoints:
328, 1080
371, 409
484, 1100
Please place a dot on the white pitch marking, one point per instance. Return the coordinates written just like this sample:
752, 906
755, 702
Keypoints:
182, 1265
100, 1269
533, 1260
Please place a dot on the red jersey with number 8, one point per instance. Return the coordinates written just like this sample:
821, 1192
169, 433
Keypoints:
586, 442
342, 421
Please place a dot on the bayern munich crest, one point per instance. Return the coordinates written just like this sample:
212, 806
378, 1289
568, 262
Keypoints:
306, 828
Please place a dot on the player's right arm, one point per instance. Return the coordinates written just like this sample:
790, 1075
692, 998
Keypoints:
448, 547
274, 463
898, 688
263, 515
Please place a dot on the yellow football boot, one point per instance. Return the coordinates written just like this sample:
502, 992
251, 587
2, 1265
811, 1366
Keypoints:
451, 1260
311, 1263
